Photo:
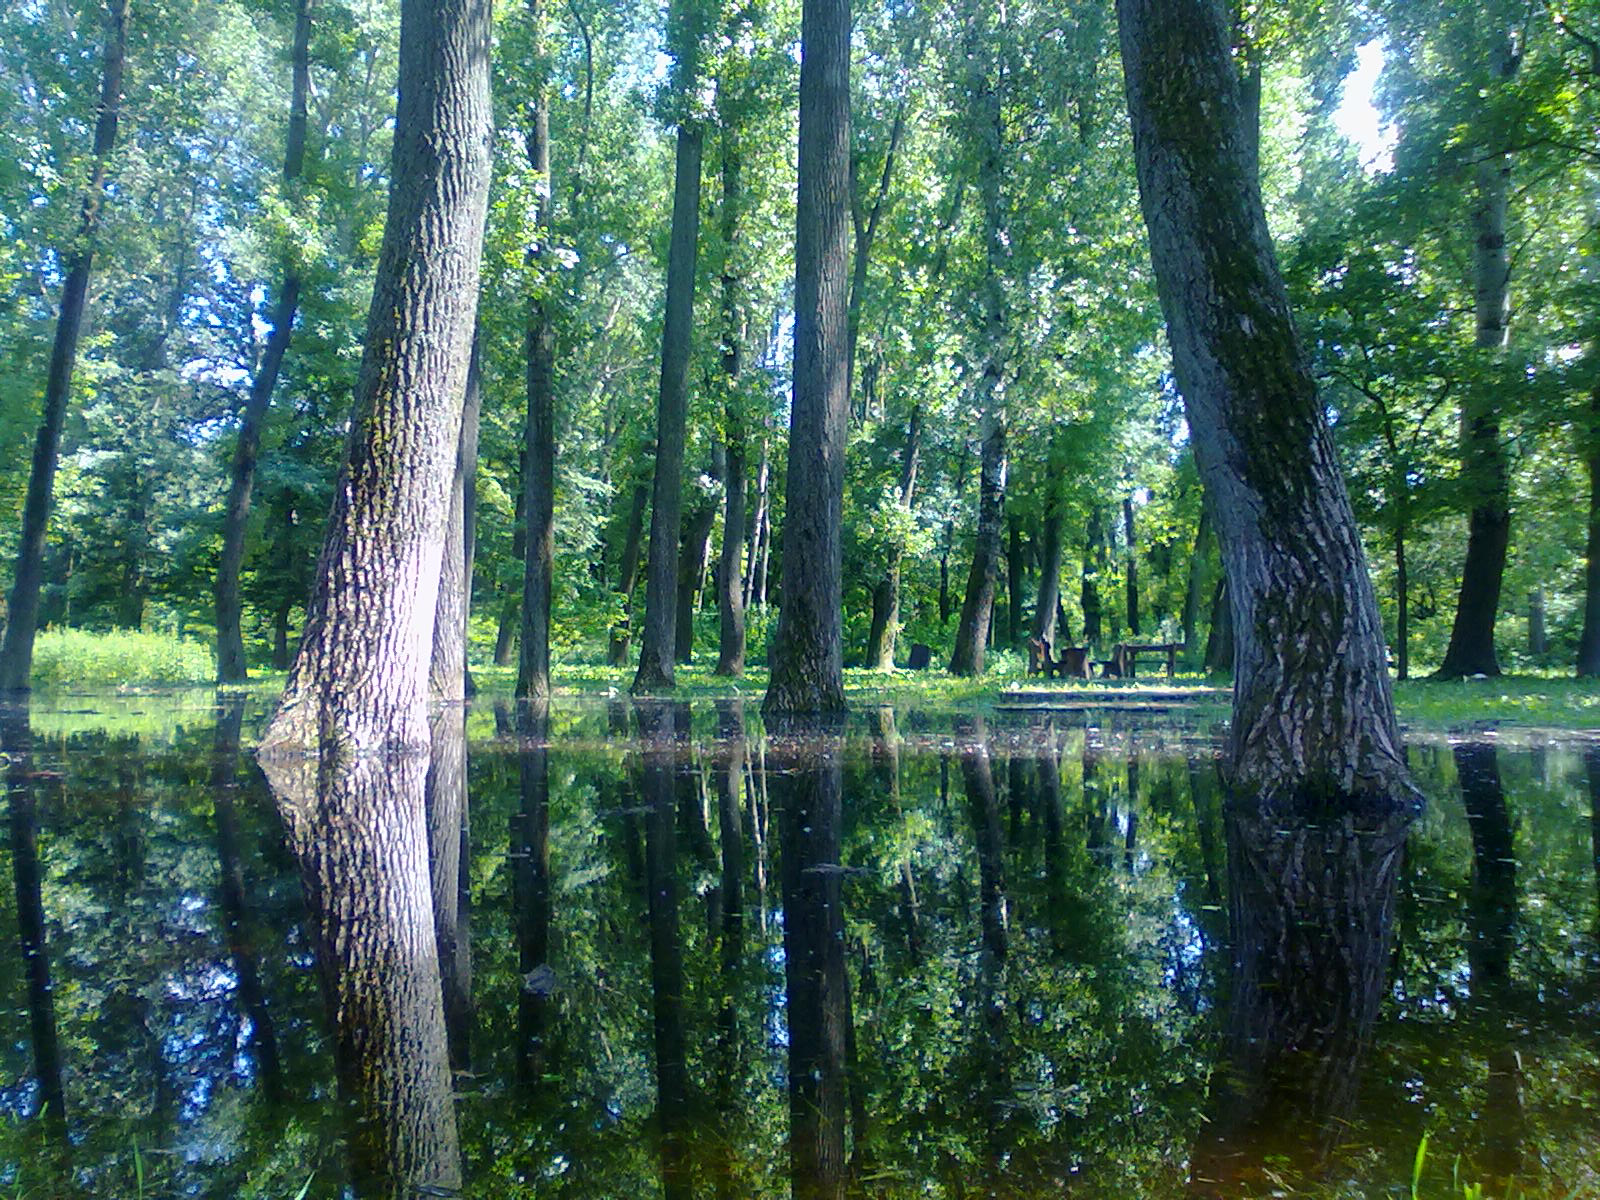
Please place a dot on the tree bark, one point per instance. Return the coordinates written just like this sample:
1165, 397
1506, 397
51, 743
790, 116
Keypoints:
447, 667
807, 654
1484, 467
539, 463
359, 683
1589, 641
1313, 727
977, 606
1132, 567
22, 609
1192, 593
628, 574
231, 667
730, 574
1089, 597
1049, 598
886, 595
692, 558
659, 643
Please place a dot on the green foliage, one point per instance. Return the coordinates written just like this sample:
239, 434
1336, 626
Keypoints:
79, 658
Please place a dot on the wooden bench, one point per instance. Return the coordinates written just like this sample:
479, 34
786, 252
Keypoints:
1125, 657
1074, 660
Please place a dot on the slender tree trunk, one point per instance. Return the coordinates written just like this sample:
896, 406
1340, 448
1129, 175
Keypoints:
230, 641
1402, 596
628, 573
1014, 579
730, 575
757, 530
659, 642
1049, 598
359, 683
977, 606
22, 609
886, 595
1313, 717
533, 666
691, 566
1132, 568
808, 653
1219, 636
1589, 641
1089, 597
532, 893
1483, 459
865, 225
447, 667
728, 771
1192, 594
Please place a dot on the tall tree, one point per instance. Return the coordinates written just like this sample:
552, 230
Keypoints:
539, 457
359, 682
807, 653
22, 611
231, 666
1313, 725
658, 643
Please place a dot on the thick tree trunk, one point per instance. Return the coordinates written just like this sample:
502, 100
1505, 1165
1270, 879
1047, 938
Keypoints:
628, 573
1132, 570
977, 605
359, 683
359, 830
886, 594
1313, 727
1483, 459
539, 462
808, 654
730, 573
16, 739
659, 643
1192, 594
1589, 641
817, 998
22, 609
231, 666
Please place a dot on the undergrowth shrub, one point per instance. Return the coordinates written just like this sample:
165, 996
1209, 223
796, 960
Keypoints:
118, 658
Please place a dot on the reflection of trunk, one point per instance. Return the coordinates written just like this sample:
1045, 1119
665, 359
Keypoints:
446, 806
1589, 642
1491, 937
1047, 779
662, 730
359, 830
818, 1003
1591, 765
530, 890
729, 775
978, 776
234, 898
1311, 910
16, 737
886, 769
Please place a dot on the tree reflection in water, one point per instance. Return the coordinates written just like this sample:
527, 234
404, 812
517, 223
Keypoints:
358, 828
1311, 909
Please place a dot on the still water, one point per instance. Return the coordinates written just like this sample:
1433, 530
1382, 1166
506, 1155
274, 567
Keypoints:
637, 951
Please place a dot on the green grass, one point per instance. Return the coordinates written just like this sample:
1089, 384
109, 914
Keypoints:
120, 658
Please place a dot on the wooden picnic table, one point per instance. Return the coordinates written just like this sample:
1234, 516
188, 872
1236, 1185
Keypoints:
1125, 656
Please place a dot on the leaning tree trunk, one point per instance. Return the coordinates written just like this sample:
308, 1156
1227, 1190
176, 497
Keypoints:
977, 606
1589, 643
1313, 717
230, 640
359, 682
808, 651
659, 643
1483, 459
538, 564
886, 595
16, 654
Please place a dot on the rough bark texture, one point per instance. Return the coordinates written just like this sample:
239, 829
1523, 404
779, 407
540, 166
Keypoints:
659, 642
447, 668
359, 831
1483, 459
359, 682
22, 608
977, 606
16, 739
1311, 911
539, 461
1313, 717
231, 666
807, 652
1589, 641
447, 814
809, 783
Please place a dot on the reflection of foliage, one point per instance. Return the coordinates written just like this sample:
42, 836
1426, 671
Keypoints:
1115, 968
